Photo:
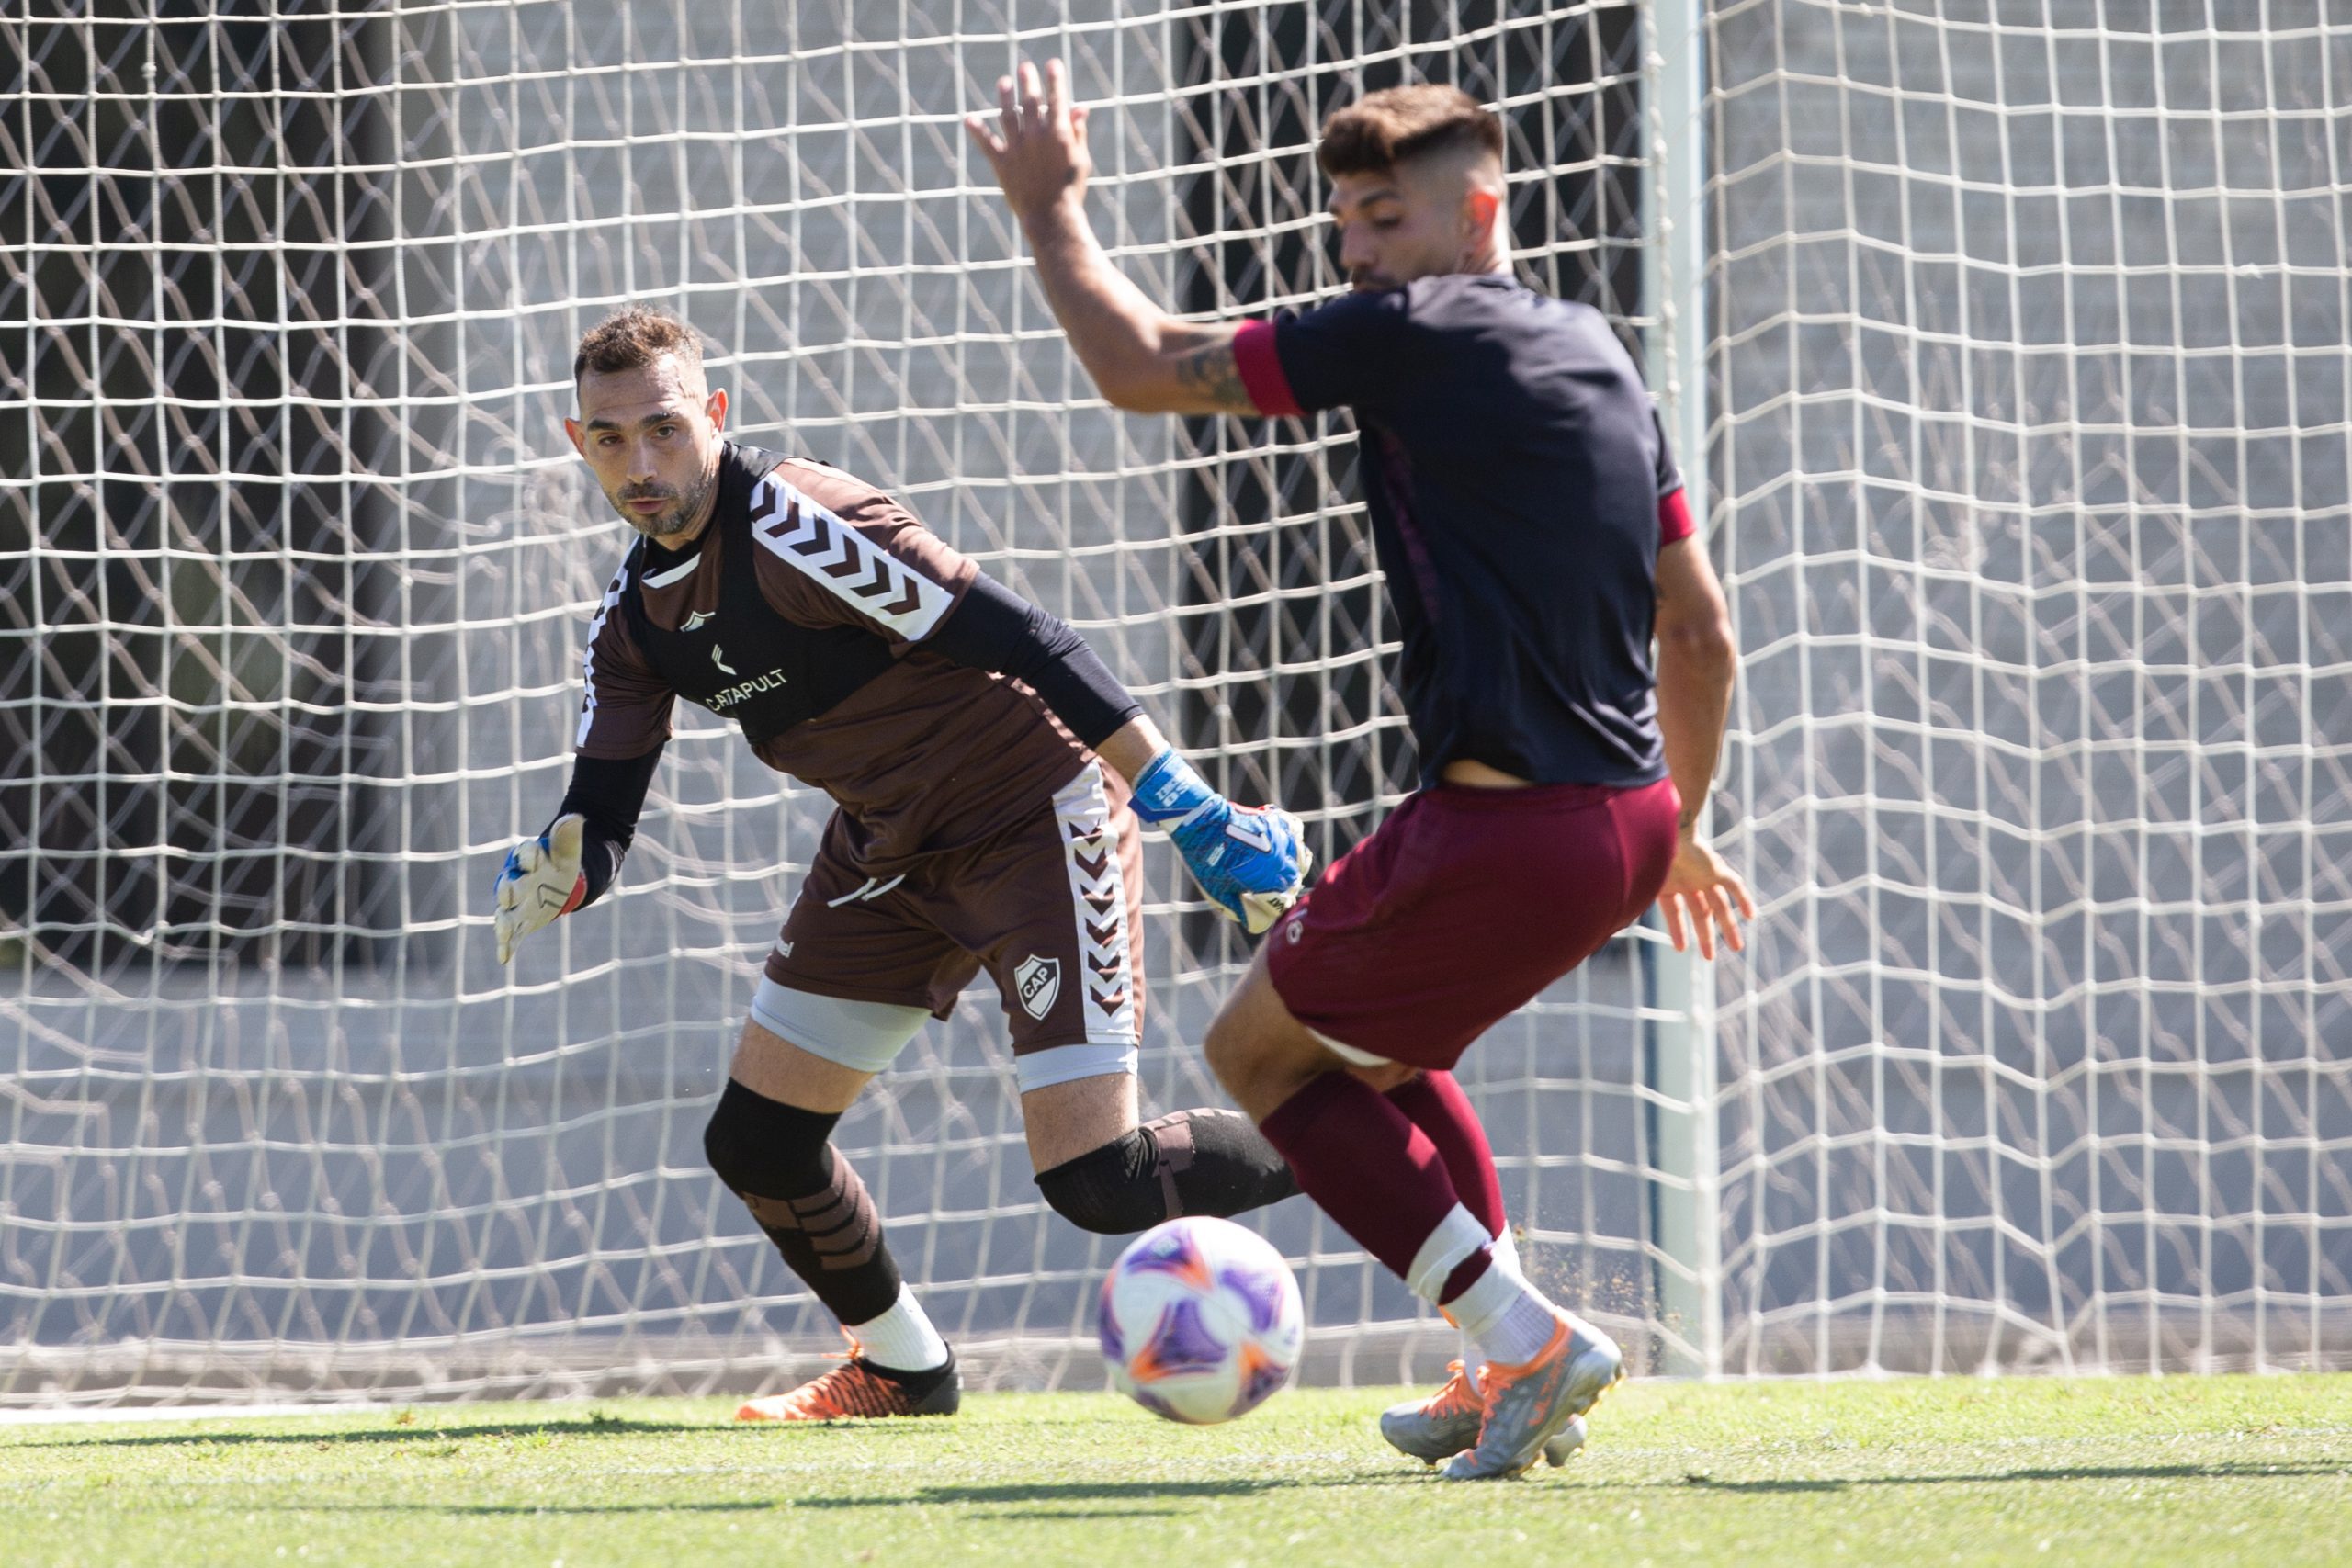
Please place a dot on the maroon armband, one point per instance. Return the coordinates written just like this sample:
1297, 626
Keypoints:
1674, 520
1261, 370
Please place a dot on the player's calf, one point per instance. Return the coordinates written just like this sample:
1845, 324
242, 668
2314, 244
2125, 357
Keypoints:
1193, 1162
780, 1160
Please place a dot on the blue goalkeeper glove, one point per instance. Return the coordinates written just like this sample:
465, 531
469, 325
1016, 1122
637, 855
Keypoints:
1247, 859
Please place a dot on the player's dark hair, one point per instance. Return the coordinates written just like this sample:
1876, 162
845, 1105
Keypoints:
633, 338
1395, 125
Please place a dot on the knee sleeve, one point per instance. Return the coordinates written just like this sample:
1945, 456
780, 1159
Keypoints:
779, 1160
761, 1146
1193, 1162
1113, 1191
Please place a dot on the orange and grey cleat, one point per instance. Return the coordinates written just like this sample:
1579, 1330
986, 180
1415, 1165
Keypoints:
858, 1389
1529, 1405
1447, 1422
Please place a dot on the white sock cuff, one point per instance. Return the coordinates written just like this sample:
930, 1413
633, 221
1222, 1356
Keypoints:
903, 1337
1483, 1305
1456, 1237
1506, 1251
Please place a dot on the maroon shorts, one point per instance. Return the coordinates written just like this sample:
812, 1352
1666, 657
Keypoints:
1462, 907
1051, 911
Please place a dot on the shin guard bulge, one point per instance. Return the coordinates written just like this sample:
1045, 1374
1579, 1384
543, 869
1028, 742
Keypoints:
1380, 1177
1434, 1103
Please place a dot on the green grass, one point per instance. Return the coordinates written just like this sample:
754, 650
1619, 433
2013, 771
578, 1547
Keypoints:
2183, 1469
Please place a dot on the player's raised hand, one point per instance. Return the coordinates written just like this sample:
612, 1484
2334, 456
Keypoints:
1251, 861
539, 881
1037, 143
1699, 899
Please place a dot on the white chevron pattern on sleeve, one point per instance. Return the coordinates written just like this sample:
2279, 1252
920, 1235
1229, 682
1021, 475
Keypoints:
814, 542
588, 656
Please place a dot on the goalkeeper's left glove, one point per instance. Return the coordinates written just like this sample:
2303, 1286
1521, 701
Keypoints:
540, 880
1250, 860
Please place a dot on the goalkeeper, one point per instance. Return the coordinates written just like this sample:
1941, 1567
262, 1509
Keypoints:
963, 734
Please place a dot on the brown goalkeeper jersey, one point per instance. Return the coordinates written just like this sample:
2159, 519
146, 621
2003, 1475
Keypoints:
800, 613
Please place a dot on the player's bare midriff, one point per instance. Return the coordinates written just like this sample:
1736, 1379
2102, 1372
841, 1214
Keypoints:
1479, 775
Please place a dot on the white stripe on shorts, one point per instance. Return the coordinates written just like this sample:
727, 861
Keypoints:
1068, 1064
1098, 890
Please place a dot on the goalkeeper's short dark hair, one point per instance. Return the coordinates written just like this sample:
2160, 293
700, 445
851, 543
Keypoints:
1395, 125
632, 338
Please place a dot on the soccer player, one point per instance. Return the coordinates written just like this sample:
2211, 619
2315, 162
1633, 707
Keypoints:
962, 733
1536, 540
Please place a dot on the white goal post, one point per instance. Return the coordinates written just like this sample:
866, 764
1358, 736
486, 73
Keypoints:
2003, 344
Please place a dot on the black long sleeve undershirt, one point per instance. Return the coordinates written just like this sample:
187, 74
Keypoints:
993, 629
996, 629
609, 795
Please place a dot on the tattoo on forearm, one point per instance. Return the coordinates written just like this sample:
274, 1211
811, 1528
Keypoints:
1214, 375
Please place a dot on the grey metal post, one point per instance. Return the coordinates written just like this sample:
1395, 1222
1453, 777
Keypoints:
1678, 1061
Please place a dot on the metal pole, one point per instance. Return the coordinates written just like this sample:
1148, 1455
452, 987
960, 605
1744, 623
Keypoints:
1678, 1059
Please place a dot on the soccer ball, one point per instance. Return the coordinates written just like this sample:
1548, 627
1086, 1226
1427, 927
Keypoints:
1199, 1321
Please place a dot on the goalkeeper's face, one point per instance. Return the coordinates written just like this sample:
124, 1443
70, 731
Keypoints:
651, 438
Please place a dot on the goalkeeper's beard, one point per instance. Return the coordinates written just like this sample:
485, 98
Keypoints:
677, 520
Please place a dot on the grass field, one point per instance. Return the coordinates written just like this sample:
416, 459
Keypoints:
2183, 1469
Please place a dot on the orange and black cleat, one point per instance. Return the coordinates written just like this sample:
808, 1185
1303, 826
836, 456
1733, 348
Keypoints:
858, 1389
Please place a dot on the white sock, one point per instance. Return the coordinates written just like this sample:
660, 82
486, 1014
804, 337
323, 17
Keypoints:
1505, 1315
1505, 1252
902, 1338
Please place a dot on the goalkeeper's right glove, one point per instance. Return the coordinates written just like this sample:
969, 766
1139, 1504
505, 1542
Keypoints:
1250, 860
540, 880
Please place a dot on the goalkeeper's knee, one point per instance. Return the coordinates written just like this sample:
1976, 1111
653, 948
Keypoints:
765, 1148
1194, 1162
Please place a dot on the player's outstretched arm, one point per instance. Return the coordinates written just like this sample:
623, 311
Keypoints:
1141, 358
1249, 860
578, 855
1697, 661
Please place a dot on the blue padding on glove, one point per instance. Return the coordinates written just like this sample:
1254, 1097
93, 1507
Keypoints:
1169, 790
1249, 860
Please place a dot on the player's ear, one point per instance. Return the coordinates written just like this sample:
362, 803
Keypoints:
1479, 206
579, 436
716, 408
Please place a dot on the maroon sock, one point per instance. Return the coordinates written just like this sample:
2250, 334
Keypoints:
1364, 1162
1436, 1104
1438, 1108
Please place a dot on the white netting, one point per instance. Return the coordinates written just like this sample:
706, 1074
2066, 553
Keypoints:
295, 564
2031, 449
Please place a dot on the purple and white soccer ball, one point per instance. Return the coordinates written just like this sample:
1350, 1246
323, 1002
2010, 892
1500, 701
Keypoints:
1199, 1321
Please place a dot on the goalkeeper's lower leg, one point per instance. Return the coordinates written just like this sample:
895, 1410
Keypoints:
778, 1158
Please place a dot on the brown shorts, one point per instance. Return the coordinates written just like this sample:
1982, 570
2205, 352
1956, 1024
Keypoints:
1051, 911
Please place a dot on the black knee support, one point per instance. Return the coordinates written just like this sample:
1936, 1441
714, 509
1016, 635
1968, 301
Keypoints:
780, 1160
1194, 1162
758, 1145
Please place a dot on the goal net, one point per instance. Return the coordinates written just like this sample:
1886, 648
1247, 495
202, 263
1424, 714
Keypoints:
2014, 345
297, 567
2030, 446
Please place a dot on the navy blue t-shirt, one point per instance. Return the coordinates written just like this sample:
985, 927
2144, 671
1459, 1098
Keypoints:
1519, 487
